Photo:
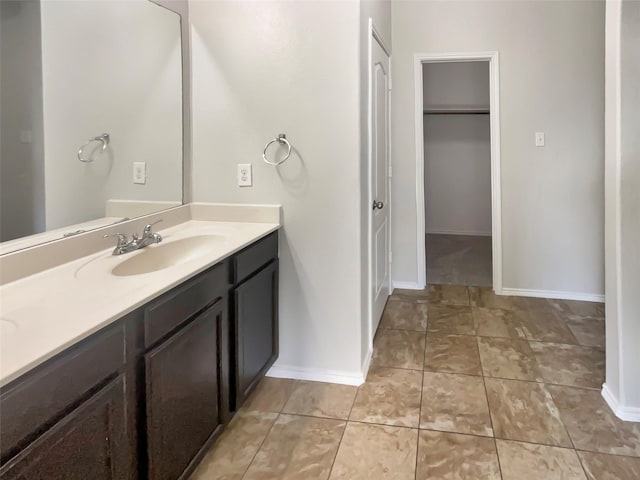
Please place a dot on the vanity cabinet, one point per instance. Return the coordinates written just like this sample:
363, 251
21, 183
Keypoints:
186, 372
254, 300
145, 397
186, 392
256, 324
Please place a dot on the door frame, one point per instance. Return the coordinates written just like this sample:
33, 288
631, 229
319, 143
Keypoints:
496, 204
374, 35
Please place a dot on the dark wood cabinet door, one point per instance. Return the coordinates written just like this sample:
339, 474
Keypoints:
256, 329
88, 443
185, 388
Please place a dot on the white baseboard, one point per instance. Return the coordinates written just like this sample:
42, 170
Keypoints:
585, 297
407, 285
459, 232
628, 414
317, 375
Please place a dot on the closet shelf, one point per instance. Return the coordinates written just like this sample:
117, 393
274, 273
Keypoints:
456, 109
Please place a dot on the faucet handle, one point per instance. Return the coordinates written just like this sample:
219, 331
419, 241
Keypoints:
122, 238
147, 228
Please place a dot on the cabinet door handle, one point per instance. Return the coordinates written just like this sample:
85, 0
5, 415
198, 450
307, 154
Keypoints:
379, 205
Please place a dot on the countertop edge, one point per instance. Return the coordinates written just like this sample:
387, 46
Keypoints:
6, 378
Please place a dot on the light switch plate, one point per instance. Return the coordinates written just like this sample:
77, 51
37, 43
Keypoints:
539, 139
140, 173
245, 179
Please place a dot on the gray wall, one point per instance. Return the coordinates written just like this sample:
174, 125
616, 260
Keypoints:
552, 80
622, 180
457, 174
612, 247
263, 68
21, 164
630, 198
455, 84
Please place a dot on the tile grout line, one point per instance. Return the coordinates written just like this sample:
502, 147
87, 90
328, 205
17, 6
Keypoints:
584, 347
377, 365
504, 439
246, 470
539, 382
582, 464
415, 471
476, 435
362, 422
275, 420
346, 424
544, 384
584, 450
496, 438
573, 445
559, 417
495, 445
486, 394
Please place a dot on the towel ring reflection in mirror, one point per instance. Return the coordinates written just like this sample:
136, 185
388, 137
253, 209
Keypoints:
282, 140
104, 138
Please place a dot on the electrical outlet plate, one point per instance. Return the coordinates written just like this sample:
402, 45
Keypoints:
539, 139
139, 173
26, 136
245, 178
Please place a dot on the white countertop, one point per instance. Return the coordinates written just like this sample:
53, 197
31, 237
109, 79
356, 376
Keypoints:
45, 313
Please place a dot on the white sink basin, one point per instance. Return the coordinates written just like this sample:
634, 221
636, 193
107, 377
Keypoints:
165, 255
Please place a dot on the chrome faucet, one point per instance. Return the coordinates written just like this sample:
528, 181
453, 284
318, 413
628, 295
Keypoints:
125, 246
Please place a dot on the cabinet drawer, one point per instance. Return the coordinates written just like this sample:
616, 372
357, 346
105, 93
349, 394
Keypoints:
176, 307
31, 402
254, 257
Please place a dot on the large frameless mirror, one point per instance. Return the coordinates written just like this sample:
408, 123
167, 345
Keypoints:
91, 116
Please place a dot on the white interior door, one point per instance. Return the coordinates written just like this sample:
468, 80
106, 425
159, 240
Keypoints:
379, 178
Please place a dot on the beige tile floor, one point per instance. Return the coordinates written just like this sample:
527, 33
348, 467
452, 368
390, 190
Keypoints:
463, 385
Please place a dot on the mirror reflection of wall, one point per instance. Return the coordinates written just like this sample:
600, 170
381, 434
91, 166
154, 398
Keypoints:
22, 209
71, 71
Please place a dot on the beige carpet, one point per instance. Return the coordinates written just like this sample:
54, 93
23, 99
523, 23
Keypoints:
459, 260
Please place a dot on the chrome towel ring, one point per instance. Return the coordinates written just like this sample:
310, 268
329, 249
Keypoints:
282, 140
104, 138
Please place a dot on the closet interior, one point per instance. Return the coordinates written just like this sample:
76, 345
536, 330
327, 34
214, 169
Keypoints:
457, 166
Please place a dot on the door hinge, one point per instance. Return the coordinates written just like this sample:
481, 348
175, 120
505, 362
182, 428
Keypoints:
390, 171
390, 84
390, 257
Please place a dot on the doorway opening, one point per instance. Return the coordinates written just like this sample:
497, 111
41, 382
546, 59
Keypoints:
458, 170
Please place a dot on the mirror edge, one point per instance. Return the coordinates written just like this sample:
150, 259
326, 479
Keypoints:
181, 7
